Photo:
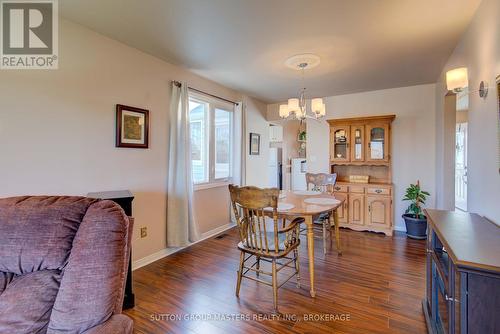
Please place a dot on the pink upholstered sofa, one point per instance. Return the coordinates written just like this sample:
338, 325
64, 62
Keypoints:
63, 265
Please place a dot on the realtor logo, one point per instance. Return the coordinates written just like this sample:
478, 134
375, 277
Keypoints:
29, 38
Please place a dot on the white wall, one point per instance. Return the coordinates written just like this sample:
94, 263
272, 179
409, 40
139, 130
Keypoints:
479, 51
58, 130
257, 165
413, 144
445, 152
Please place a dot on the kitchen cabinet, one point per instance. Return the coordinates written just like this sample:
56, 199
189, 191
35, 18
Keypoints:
275, 133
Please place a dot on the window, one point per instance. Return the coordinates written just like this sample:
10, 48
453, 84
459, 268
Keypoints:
211, 139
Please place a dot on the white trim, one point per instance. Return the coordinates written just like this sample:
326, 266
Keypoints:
215, 231
154, 257
399, 228
171, 250
209, 185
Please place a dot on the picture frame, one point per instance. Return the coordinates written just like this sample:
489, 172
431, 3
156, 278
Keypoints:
132, 127
254, 143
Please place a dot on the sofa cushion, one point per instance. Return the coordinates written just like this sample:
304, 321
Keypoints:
36, 232
91, 289
26, 302
5, 278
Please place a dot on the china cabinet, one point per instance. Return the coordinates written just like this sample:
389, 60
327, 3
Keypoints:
358, 143
339, 143
362, 147
377, 142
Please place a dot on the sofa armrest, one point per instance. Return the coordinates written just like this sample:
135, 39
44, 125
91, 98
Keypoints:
117, 324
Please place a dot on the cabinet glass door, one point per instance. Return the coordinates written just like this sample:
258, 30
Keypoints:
358, 143
340, 144
440, 304
377, 143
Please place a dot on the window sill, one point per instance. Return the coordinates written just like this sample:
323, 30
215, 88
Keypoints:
204, 186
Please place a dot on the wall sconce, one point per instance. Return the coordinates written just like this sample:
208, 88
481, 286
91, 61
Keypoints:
457, 80
483, 89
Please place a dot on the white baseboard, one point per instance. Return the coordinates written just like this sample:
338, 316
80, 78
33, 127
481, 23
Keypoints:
216, 231
400, 228
171, 250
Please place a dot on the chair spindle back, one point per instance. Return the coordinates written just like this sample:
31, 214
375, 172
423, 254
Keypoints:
321, 181
248, 205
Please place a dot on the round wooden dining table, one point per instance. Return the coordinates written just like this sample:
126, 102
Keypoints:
309, 205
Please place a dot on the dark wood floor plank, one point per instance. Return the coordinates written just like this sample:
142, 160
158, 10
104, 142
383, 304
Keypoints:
378, 283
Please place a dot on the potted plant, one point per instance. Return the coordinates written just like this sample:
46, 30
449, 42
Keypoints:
302, 135
415, 220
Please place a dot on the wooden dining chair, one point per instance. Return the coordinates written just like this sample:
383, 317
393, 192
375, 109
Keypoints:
261, 239
324, 183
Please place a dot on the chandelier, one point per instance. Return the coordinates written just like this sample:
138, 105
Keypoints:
296, 108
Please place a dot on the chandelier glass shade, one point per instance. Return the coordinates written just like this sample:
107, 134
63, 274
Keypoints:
297, 107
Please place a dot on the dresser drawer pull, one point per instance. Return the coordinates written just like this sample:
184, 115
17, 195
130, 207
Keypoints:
378, 191
450, 299
337, 188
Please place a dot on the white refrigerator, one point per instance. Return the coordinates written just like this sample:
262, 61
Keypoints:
299, 169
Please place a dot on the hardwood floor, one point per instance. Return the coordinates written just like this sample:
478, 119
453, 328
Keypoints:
376, 286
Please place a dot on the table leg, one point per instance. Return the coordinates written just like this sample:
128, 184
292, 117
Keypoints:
337, 230
310, 251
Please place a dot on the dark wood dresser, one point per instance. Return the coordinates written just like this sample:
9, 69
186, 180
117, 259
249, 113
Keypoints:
463, 274
124, 199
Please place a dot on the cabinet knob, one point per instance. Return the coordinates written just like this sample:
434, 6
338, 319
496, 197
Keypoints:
450, 299
337, 188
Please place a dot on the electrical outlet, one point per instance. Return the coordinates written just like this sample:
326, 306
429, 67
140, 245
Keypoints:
144, 232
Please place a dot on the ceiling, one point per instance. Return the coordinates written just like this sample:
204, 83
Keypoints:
243, 44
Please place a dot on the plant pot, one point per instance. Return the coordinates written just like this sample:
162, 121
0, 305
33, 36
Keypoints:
416, 228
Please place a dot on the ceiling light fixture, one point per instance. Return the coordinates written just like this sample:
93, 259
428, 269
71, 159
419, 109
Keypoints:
296, 108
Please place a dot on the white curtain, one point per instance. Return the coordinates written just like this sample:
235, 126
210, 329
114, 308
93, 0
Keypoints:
239, 147
181, 225
239, 150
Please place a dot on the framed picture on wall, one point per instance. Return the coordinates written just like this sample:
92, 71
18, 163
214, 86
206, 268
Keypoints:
132, 127
254, 144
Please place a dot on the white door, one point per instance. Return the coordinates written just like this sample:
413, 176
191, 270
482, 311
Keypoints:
461, 167
299, 169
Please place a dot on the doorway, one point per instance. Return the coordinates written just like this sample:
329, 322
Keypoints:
461, 166
461, 150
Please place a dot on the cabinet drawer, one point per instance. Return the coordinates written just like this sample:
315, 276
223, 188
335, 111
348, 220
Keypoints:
379, 191
357, 189
340, 188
